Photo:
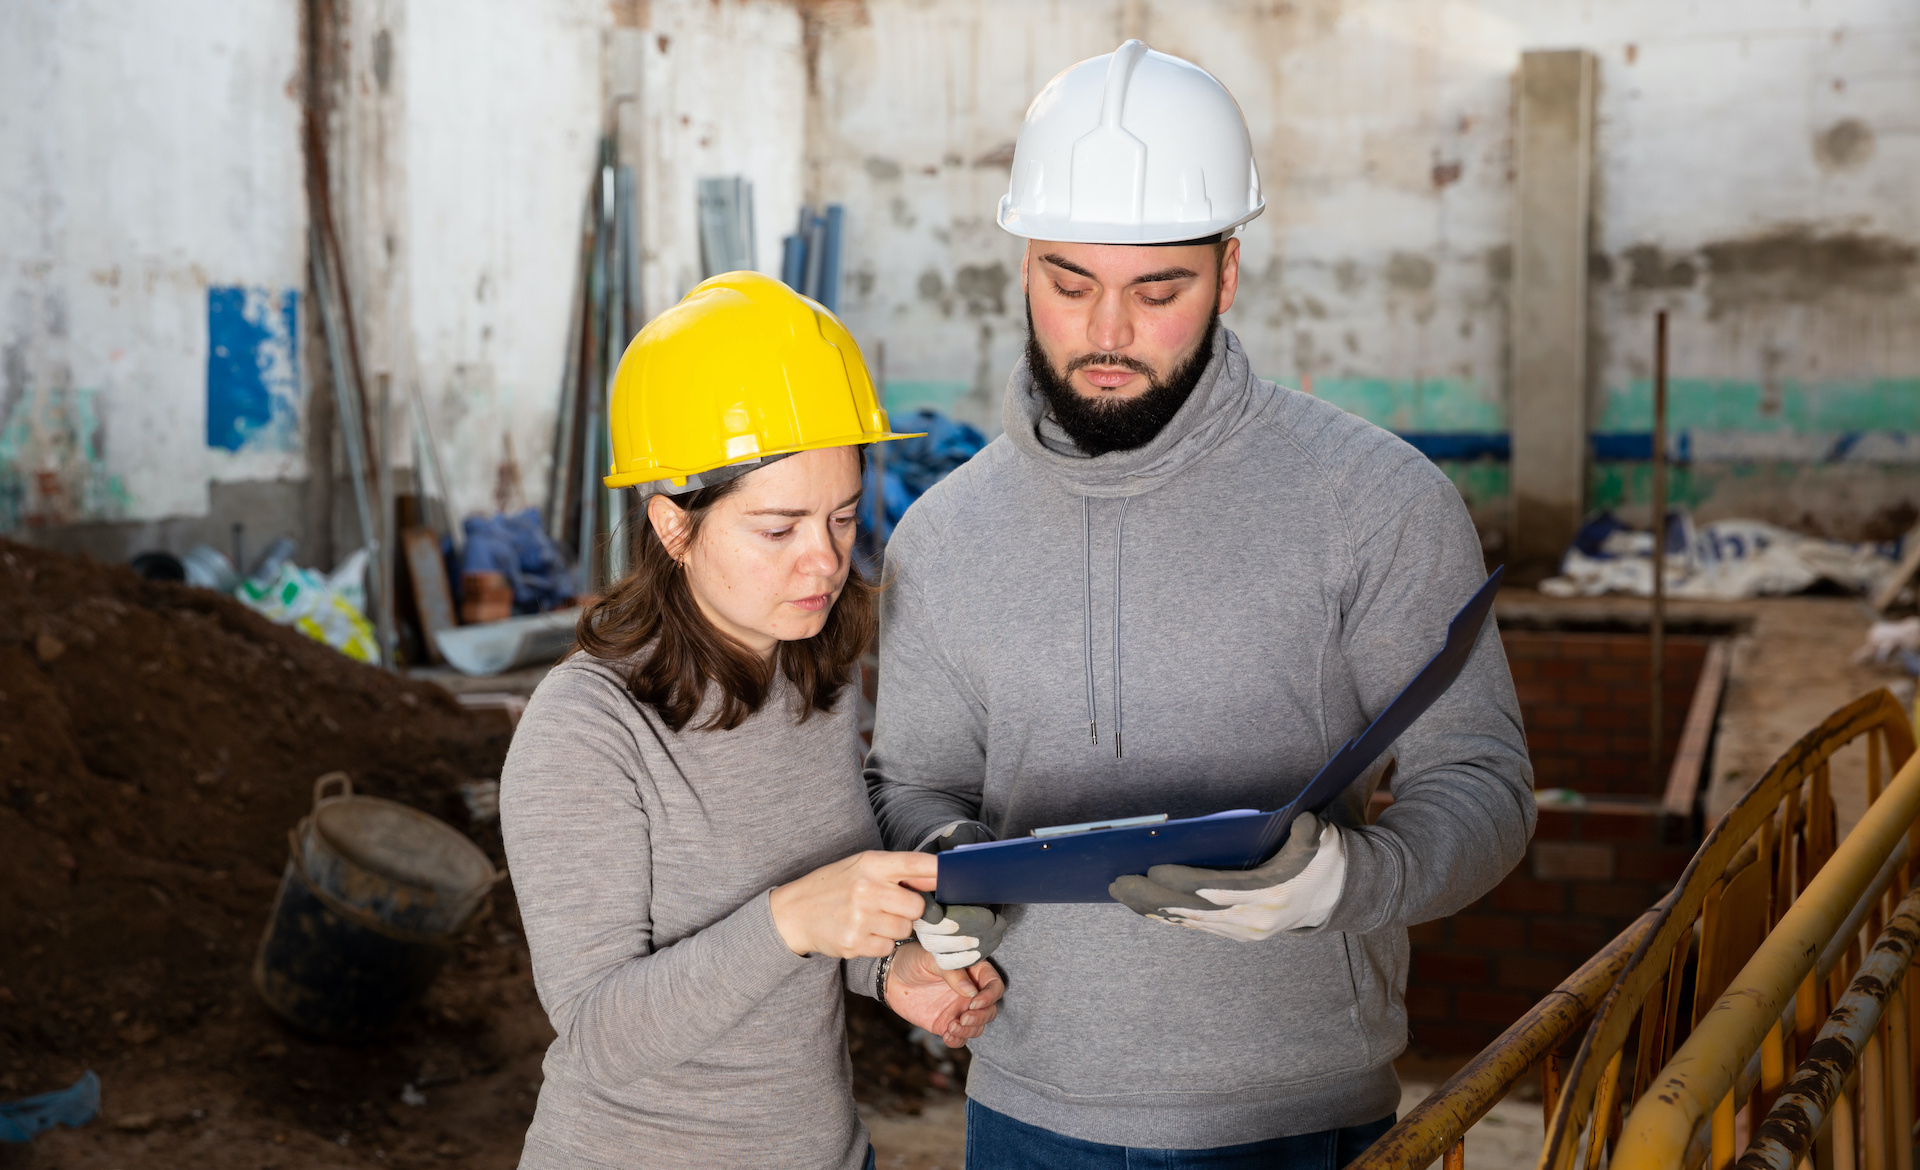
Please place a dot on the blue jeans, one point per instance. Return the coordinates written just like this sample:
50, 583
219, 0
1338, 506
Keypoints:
998, 1142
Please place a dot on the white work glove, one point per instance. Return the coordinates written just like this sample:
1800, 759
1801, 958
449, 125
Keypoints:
1294, 890
958, 936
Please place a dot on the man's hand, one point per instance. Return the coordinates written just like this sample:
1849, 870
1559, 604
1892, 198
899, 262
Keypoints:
954, 1005
1296, 889
958, 936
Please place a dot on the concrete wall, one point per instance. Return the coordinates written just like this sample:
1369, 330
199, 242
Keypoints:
1751, 161
150, 205
1754, 164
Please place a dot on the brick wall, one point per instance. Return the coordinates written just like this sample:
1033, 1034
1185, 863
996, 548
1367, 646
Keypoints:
1584, 702
1588, 874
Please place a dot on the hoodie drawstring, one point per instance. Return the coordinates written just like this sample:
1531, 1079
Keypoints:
1119, 542
1086, 588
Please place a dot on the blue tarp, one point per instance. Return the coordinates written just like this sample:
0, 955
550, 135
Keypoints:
72, 1106
517, 547
914, 465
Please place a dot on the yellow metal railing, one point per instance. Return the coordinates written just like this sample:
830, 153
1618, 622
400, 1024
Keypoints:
1869, 1034
1755, 867
1658, 980
1435, 1126
1699, 1081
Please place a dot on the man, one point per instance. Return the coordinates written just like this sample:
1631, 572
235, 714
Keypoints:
1171, 587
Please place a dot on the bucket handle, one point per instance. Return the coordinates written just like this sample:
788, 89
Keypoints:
344, 781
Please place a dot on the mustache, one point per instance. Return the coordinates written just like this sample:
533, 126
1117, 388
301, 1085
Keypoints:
1111, 359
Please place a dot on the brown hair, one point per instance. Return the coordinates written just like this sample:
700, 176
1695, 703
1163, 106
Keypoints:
651, 619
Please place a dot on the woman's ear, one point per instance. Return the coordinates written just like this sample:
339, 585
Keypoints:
669, 522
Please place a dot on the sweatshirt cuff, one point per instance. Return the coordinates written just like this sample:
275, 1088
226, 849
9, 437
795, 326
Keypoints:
748, 944
1372, 887
859, 974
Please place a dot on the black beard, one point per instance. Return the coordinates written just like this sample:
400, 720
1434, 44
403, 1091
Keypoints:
1098, 426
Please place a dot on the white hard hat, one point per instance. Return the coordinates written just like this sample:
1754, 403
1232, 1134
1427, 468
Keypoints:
1135, 147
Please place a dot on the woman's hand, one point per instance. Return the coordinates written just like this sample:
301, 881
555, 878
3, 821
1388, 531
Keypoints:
954, 1005
855, 906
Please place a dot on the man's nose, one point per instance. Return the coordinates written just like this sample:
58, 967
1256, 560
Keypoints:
1110, 329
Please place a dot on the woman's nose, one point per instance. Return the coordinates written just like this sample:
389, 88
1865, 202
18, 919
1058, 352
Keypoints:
819, 554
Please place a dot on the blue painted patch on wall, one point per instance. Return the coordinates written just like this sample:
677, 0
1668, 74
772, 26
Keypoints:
253, 378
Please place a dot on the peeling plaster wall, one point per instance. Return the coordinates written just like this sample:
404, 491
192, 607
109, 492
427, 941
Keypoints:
153, 155
1755, 165
1377, 270
707, 91
1754, 175
503, 116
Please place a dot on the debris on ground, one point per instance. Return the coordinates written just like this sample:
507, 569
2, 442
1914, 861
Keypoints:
1727, 560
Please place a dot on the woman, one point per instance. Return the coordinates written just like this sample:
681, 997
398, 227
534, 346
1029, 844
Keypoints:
686, 824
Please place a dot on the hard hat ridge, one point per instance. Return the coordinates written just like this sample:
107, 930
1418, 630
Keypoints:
1134, 147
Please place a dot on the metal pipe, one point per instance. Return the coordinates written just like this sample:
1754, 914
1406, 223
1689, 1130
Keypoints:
351, 430
566, 427
1658, 626
611, 499
1829, 959
383, 601
1854, 1025
1433, 1126
1706, 1066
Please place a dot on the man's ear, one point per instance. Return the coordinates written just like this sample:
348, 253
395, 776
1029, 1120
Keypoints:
669, 522
1229, 273
1026, 258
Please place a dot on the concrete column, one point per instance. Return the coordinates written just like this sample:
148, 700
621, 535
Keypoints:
1553, 165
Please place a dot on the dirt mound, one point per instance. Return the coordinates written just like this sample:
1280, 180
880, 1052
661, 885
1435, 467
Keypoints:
157, 742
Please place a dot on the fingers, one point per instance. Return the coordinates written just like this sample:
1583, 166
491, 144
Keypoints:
1146, 896
992, 987
959, 982
920, 869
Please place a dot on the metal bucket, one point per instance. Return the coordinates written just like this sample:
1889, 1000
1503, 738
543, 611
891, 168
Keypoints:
409, 870
335, 970
367, 912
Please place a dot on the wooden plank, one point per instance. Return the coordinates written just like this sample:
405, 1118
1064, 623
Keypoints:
1690, 758
432, 598
1909, 562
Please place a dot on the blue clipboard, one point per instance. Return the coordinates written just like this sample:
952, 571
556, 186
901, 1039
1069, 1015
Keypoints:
1076, 863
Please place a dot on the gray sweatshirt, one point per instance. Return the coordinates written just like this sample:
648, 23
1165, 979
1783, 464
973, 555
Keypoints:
689, 1035
1185, 628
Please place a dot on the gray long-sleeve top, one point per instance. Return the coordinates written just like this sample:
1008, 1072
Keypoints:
1186, 628
642, 858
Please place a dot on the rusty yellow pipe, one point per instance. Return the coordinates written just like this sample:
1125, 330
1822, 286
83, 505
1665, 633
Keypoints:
1703, 1071
1432, 1127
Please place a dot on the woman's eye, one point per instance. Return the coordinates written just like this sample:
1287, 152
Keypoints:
778, 533
849, 518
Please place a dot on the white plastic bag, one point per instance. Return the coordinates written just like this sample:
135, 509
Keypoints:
303, 599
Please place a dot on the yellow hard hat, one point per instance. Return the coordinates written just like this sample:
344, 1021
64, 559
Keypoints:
743, 368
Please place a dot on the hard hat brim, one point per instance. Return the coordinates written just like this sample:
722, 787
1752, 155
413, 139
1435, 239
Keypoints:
1074, 231
679, 475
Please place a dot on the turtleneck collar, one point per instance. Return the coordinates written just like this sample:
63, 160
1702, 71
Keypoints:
1220, 404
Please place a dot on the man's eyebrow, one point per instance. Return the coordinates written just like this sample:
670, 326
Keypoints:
1153, 277
1059, 261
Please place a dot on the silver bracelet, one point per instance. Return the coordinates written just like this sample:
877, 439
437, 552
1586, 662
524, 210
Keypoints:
881, 972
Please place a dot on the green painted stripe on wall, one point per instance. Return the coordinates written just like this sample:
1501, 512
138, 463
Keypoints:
1880, 404
1423, 404
938, 396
